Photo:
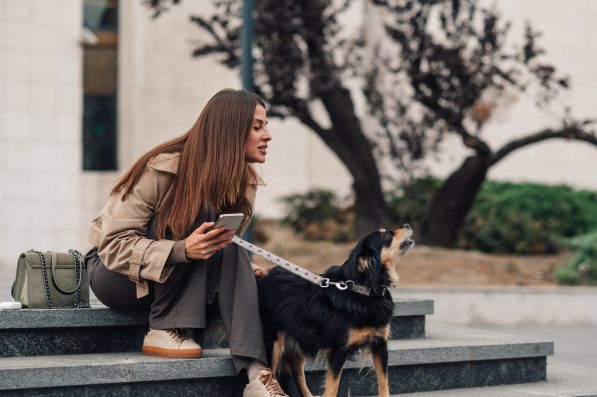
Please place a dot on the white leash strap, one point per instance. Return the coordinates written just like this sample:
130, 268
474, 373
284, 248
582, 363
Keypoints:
301, 271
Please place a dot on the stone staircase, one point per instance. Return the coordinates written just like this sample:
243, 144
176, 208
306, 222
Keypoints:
96, 352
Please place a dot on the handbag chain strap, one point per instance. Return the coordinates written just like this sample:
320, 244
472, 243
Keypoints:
77, 265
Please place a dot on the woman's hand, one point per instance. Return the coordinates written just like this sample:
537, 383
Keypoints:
202, 245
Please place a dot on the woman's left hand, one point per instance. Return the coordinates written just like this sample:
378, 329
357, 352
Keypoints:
202, 244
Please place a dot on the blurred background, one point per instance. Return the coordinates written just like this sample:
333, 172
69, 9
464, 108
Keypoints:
471, 120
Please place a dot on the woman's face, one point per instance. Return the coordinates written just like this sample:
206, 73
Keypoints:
259, 136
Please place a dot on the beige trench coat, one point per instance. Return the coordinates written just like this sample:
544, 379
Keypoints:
120, 230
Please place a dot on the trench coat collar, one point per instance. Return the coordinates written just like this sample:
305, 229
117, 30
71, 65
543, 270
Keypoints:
168, 162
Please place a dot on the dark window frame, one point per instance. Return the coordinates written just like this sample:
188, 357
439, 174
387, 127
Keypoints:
100, 91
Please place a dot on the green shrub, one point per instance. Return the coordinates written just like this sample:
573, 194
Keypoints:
582, 267
527, 218
318, 215
409, 203
519, 218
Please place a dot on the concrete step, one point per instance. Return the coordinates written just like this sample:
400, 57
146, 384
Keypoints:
41, 332
455, 357
449, 358
563, 380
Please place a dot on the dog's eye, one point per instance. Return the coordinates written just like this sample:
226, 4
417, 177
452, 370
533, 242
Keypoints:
389, 235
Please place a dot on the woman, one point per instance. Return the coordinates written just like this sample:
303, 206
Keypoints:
156, 230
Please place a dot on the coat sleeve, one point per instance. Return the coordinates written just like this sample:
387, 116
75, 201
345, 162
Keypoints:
123, 243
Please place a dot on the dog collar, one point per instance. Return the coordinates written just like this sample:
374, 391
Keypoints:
308, 275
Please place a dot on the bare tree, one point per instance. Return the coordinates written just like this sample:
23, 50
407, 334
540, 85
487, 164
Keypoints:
300, 61
434, 82
449, 63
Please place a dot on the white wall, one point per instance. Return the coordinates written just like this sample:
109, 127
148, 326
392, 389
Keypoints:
40, 125
162, 90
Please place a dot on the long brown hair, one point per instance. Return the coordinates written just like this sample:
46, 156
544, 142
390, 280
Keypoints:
213, 174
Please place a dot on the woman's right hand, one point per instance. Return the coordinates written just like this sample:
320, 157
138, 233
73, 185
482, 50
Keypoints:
201, 244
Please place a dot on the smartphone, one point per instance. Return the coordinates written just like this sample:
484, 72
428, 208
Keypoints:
230, 221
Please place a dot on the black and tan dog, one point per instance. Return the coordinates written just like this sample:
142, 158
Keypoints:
302, 320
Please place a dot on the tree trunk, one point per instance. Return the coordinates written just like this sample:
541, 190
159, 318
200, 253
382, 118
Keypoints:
370, 210
453, 201
349, 143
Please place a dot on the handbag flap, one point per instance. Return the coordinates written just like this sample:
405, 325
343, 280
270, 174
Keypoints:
65, 260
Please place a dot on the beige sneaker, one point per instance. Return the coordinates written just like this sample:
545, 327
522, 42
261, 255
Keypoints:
264, 385
170, 343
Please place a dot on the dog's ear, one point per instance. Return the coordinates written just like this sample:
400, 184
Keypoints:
363, 264
368, 262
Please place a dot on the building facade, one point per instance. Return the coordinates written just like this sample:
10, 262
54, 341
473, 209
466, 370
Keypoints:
49, 192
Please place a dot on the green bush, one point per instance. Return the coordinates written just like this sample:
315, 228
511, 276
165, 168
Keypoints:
519, 218
409, 203
582, 267
318, 215
527, 218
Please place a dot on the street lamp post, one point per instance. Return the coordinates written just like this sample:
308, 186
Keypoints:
247, 44
247, 71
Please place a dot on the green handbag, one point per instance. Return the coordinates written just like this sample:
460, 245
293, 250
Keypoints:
53, 280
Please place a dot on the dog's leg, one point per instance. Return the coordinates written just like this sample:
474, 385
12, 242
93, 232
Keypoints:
296, 363
277, 351
379, 352
336, 362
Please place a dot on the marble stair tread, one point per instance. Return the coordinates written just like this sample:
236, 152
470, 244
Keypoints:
101, 316
564, 380
445, 344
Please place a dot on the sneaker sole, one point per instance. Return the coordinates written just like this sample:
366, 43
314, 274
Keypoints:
171, 353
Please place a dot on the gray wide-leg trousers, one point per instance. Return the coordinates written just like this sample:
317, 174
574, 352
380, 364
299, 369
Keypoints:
223, 284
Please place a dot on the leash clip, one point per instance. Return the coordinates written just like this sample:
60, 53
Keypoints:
341, 285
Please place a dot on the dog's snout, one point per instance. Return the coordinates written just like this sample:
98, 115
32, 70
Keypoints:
406, 226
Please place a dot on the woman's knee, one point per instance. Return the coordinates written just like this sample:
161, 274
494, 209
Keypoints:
113, 289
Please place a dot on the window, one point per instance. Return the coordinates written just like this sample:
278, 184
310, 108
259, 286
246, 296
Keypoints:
100, 78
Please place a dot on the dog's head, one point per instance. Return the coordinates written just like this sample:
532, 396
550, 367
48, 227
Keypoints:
374, 258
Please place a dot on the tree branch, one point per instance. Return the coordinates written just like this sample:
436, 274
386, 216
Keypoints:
454, 122
300, 110
574, 131
307, 119
472, 141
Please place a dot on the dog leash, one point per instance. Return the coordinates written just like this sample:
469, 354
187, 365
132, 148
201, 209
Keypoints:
308, 275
